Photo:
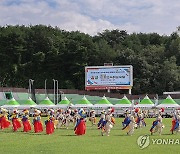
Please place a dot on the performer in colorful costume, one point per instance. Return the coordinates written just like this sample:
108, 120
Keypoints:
129, 123
80, 127
102, 122
175, 122
15, 120
110, 121
26, 121
92, 117
143, 115
68, 118
157, 124
38, 127
55, 119
50, 122
140, 119
75, 116
126, 121
4, 122
60, 118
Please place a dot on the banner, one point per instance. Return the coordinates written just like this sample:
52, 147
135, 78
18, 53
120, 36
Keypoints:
108, 77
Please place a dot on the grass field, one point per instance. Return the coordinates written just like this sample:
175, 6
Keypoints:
64, 141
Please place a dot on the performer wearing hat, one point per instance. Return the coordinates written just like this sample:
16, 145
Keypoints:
15, 120
140, 119
75, 116
67, 118
4, 122
126, 121
38, 127
55, 119
60, 118
129, 123
25, 121
50, 122
110, 121
157, 125
175, 122
143, 114
102, 122
80, 127
92, 117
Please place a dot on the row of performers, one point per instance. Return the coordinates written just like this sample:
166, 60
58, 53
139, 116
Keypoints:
133, 119
61, 118
24, 120
55, 120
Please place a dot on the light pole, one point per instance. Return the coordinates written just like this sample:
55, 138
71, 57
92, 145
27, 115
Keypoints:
57, 91
61, 95
56, 84
32, 82
45, 88
30, 85
54, 90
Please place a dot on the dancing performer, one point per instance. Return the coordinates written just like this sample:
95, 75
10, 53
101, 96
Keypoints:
60, 118
68, 118
143, 115
157, 125
50, 122
175, 122
80, 127
126, 121
129, 123
92, 117
102, 122
26, 121
38, 127
75, 116
55, 119
140, 122
15, 120
110, 121
4, 122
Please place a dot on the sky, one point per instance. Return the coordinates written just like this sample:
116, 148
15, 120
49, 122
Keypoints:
93, 16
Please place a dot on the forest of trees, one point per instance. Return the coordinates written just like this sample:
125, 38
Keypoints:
43, 52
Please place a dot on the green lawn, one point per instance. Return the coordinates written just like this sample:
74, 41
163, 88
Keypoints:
64, 141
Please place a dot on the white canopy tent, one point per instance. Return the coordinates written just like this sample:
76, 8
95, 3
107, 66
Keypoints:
168, 103
11, 104
145, 103
123, 103
83, 103
46, 104
102, 104
27, 104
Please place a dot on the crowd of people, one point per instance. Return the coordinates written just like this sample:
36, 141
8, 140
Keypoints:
60, 118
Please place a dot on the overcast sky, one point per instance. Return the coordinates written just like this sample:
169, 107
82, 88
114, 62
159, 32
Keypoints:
92, 16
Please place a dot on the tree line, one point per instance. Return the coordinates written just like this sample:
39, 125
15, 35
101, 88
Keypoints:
43, 52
